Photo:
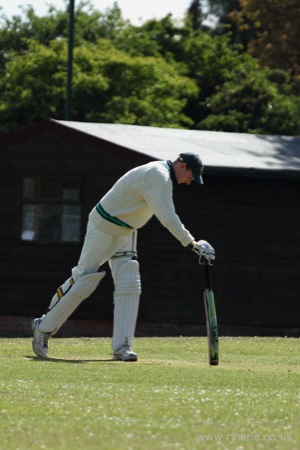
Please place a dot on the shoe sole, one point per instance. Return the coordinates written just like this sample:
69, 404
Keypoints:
129, 359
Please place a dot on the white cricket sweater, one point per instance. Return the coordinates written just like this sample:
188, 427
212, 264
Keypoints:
138, 195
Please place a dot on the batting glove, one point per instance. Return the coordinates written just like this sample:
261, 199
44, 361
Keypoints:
204, 250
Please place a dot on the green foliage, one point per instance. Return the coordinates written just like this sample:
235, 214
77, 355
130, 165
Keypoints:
195, 15
250, 103
235, 93
140, 90
16, 32
154, 38
282, 115
33, 86
108, 86
158, 74
170, 398
276, 26
221, 8
90, 25
211, 61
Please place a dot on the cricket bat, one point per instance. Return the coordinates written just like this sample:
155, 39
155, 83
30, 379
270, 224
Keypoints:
211, 319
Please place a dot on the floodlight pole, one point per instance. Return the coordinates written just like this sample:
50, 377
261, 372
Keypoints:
68, 104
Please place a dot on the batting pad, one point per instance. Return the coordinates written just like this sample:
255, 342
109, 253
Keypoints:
61, 291
126, 300
61, 311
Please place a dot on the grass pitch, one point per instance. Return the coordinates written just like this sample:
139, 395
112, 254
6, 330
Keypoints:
170, 399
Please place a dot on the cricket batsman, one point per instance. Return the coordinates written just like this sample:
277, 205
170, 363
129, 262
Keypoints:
111, 236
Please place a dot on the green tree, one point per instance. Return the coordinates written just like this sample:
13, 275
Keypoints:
195, 14
153, 38
161, 73
90, 25
251, 103
222, 8
108, 86
277, 32
226, 12
235, 93
32, 87
210, 61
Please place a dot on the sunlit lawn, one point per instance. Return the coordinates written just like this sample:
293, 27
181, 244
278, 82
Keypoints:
170, 399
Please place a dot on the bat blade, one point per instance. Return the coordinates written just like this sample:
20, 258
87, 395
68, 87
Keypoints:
212, 327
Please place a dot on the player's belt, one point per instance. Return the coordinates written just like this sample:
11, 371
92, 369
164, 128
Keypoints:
110, 218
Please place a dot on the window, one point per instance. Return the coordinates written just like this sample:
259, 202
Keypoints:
51, 210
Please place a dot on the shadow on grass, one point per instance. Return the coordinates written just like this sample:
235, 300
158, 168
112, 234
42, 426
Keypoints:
72, 361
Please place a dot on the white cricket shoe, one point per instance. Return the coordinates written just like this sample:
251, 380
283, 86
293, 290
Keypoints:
40, 340
124, 354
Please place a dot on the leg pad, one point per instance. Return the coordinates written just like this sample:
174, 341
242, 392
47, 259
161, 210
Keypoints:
63, 308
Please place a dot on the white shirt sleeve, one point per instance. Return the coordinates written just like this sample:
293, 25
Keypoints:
158, 194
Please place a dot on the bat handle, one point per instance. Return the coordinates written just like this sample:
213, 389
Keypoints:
207, 279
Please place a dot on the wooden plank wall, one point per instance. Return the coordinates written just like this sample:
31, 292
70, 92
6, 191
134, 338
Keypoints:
252, 222
254, 225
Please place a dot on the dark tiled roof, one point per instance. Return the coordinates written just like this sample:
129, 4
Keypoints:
218, 150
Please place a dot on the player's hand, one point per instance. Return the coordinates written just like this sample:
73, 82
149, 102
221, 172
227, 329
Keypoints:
205, 251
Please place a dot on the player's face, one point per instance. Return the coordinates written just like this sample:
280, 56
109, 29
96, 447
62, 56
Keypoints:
185, 175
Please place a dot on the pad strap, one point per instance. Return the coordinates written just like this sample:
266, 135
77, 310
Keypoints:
127, 254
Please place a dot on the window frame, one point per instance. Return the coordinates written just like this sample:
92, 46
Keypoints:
50, 201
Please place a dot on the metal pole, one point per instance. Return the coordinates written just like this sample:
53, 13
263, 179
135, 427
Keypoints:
68, 104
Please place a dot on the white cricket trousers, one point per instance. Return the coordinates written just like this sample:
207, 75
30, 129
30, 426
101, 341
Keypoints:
99, 248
